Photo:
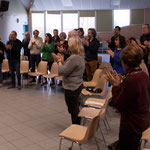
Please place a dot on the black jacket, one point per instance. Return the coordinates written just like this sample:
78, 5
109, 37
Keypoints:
2, 47
144, 38
91, 51
14, 52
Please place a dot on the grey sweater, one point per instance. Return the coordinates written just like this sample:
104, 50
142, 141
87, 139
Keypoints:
72, 72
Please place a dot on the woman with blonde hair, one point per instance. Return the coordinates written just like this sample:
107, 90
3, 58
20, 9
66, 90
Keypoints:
72, 71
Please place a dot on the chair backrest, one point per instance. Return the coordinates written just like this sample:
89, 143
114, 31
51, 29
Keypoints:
42, 67
24, 66
96, 75
5, 66
23, 57
92, 128
106, 65
54, 68
101, 83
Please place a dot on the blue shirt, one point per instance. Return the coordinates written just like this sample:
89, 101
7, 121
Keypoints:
117, 62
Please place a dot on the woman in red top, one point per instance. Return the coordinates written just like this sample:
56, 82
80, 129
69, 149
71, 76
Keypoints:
131, 97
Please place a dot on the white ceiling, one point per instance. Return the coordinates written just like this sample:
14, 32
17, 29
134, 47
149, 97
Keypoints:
53, 5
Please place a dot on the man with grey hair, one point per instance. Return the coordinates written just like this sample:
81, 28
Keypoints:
13, 48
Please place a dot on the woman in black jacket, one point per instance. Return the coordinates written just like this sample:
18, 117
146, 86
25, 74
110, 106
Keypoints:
2, 48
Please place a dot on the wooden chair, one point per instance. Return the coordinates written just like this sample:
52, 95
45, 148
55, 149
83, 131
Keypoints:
101, 84
80, 134
99, 103
146, 136
24, 68
53, 72
5, 66
90, 112
95, 79
106, 65
41, 70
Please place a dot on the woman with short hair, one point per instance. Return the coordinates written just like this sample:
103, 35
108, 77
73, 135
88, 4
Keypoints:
131, 97
72, 71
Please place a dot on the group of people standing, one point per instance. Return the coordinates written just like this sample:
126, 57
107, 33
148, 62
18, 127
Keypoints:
118, 43
131, 86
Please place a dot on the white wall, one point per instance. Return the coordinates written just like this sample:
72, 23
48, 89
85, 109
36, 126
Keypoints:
8, 21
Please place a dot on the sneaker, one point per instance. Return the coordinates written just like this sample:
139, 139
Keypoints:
1, 85
19, 87
11, 87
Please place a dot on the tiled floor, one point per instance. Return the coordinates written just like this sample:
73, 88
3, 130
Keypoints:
32, 118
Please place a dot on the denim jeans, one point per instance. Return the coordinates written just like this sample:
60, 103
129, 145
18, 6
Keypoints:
1, 74
14, 65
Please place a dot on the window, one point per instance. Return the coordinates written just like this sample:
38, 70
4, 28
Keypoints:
38, 23
70, 22
121, 18
53, 21
86, 23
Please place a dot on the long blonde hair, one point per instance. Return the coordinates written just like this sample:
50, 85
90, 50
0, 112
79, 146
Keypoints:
76, 46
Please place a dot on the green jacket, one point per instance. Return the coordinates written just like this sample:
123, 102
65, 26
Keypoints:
47, 51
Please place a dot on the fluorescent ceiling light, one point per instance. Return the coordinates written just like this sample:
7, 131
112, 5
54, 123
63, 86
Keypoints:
67, 3
115, 2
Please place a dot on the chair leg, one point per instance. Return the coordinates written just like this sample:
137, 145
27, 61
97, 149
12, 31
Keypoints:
105, 126
102, 135
108, 114
80, 147
72, 145
144, 143
96, 143
107, 123
60, 143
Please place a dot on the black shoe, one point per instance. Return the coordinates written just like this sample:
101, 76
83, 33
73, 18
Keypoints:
11, 87
19, 87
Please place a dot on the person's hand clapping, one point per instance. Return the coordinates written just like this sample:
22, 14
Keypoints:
110, 52
60, 57
60, 49
114, 78
85, 42
8, 47
44, 45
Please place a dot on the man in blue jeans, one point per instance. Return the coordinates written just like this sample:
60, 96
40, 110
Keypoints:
13, 48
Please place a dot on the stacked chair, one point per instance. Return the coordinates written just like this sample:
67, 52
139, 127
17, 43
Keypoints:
96, 107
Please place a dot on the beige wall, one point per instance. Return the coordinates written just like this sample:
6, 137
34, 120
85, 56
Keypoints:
87, 13
137, 16
147, 15
104, 20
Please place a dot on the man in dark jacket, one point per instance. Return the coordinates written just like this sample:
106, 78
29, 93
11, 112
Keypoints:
111, 43
13, 48
91, 51
2, 48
